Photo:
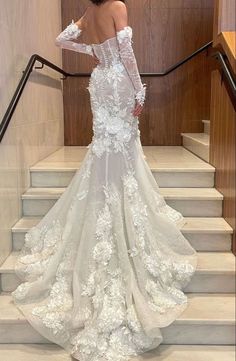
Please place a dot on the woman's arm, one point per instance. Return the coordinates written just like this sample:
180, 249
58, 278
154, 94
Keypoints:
65, 39
124, 37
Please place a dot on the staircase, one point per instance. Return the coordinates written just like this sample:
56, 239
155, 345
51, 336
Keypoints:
198, 143
205, 331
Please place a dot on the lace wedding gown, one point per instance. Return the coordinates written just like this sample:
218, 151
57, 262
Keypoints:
105, 269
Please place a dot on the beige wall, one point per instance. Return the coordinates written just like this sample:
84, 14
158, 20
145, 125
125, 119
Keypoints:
36, 129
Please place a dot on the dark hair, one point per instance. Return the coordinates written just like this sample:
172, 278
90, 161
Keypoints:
98, 2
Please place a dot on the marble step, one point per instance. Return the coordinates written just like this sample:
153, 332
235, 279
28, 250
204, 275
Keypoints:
204, 233
215, 273
191, 202
172, 166
206, 126
198, 143
46, 352
166, 178
209, 319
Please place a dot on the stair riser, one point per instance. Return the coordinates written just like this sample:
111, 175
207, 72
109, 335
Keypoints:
210, 242
204, 242
18, 240
212, 283
20, 333
37, 207
200, 150
199, 335
200, 283
188, 208
197, 208
207, 128
164, 179
185, 180
51, 179
189, 334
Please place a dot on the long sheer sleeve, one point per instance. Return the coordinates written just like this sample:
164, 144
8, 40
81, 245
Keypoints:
72, 32
124, 38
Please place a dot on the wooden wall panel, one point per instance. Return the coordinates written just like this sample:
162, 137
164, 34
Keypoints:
223, 116
224, 19
223, 147
165, 31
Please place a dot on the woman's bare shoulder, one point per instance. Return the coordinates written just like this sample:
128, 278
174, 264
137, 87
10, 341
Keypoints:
118, 5
119, 14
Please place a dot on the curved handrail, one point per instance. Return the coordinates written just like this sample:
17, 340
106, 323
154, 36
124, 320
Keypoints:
35, 57
220, 57
168, 70
20, 87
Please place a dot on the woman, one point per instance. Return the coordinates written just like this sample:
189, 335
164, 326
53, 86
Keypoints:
104, 270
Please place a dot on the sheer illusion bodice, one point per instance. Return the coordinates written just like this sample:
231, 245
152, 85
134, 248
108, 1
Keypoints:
105, 269
107, 52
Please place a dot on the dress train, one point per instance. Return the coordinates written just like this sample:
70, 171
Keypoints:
105, 268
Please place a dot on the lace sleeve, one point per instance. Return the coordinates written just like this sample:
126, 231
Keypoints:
72, 32
124, 38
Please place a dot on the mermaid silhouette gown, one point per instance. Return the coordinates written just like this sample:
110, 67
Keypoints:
105, 268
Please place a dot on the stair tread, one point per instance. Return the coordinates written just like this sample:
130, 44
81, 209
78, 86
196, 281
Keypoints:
193, 225
208, 262
44, 352
25, 223
206, 224
168, 193
202, 138
159, 158
207, 121
202, 308
191, 193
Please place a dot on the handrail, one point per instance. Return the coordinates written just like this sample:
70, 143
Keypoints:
35, 57
220, 57
20, 87
167, 71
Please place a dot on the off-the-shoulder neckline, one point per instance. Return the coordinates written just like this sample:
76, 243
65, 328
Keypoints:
114, 37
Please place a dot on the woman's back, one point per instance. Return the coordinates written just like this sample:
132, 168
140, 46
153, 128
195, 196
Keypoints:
100, 23
107, 35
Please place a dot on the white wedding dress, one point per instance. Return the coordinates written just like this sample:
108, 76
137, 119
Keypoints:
105, 269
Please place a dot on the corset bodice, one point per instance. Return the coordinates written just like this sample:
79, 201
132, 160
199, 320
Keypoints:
113, 51
107, 52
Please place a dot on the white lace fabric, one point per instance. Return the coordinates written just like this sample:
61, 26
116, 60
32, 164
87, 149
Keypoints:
105, 268
72, 32
124, 38
110, 52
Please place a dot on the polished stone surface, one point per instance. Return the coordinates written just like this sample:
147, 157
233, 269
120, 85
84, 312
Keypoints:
36, 352
208, 234
215, 273
211, 262
202, 138
206, 126
159, 158
191, 202
198, 143
172, 166
202, 308
193, 225
208, 319
171, 193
